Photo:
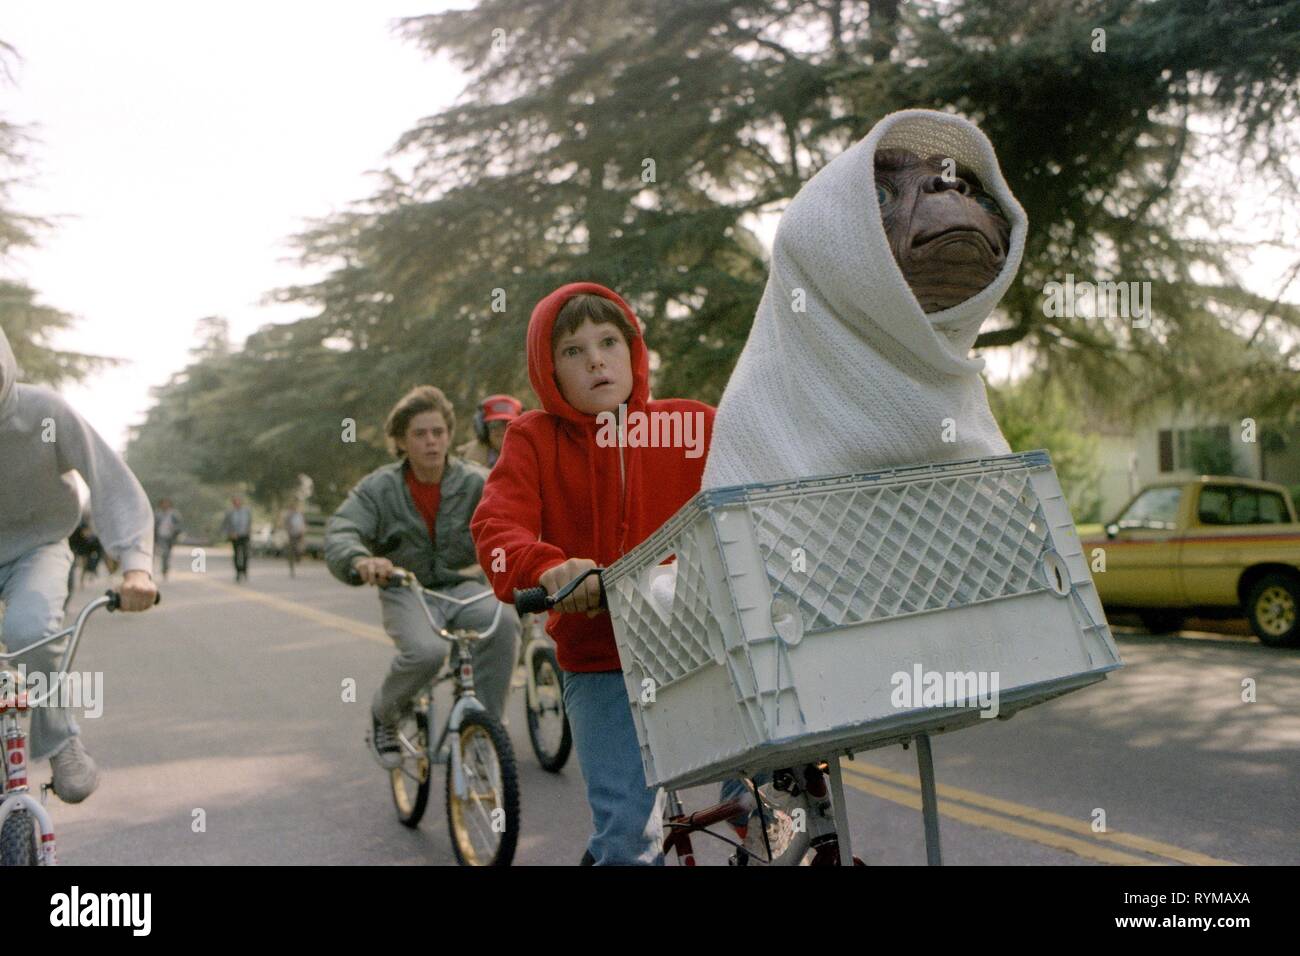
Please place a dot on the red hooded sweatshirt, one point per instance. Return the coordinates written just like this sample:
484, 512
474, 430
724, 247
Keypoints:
556, 494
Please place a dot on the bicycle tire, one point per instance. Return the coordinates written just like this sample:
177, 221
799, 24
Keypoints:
411, 801
546, 673
18, 840
480, 730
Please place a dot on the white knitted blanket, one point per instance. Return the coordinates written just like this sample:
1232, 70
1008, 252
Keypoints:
861, 379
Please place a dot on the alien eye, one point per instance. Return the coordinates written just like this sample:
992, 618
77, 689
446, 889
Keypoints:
883, 193
988, 203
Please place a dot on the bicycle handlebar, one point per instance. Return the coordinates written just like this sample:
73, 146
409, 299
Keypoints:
526, 600
115, 599
111, 599
536, 600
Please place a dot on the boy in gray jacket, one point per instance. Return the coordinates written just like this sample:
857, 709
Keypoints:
42, 440
414, 514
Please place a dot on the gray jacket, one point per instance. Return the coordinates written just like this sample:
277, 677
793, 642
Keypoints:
379, 518
43, 440
237, 522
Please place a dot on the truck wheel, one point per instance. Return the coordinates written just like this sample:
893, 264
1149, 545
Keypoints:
1161, 622
1273, 607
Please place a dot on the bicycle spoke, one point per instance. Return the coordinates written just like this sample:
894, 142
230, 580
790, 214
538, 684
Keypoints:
482, 792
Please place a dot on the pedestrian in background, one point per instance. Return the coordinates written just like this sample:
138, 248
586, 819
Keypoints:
237, 526
295, 526
166, 529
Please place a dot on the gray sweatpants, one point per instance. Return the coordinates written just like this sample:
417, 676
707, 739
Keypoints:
34, 589
421, 652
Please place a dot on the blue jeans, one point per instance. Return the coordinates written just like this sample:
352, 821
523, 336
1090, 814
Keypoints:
626, 815
34, 589
735, 787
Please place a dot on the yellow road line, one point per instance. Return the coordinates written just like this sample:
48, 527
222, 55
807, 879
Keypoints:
337, 621
864, 771
978, 818
859, 774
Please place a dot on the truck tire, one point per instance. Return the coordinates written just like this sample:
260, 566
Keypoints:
1273, 607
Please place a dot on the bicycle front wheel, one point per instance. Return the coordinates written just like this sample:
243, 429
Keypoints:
484, 822
548, 726
410, 779
18, 840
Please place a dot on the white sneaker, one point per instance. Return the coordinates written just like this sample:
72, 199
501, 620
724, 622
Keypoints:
75, 774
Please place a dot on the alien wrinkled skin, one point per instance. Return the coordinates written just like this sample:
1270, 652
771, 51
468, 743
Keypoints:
948, 235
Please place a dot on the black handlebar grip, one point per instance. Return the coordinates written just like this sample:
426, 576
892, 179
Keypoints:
535, 600
531, 600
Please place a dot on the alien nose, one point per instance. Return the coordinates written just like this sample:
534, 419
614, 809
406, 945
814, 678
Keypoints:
938, 184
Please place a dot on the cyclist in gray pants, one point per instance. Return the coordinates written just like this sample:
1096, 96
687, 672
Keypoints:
414, 514
42, 440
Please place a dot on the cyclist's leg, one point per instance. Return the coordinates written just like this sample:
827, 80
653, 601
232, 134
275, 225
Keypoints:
626, 815
494, 658
420, 651
34, 589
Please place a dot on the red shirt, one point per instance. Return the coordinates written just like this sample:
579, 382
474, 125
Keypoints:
556, 493
427, 498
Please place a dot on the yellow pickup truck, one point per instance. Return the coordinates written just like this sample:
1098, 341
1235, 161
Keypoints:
1204, 547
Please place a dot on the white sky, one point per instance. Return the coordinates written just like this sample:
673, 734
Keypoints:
183, 144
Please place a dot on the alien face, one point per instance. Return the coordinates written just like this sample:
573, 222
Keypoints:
948, 236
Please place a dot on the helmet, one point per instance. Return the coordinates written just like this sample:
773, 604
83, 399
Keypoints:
495, 408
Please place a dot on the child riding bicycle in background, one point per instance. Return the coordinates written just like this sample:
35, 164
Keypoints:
493, 416
414, 514
42, 439
561, 500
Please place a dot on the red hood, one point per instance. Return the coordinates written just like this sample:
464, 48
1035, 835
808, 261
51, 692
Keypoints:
541, 364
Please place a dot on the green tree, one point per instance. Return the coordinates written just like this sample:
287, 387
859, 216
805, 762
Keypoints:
1035, 413
635, 144
632, 144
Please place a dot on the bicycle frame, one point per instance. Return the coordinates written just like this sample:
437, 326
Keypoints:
531, 646
13, 703
463, 675
807, 782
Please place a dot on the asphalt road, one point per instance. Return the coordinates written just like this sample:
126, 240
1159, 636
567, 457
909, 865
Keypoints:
228, 700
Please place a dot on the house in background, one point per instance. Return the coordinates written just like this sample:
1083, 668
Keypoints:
1169, 443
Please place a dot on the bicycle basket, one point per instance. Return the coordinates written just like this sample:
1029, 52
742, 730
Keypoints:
816, 617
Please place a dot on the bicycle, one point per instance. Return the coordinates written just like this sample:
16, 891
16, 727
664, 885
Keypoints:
482, 788
794, 809
548, 725
22, 816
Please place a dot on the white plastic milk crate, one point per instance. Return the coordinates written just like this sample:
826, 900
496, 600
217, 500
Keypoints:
795, 605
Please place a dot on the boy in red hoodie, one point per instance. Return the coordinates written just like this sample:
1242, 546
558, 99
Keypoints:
563, 498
